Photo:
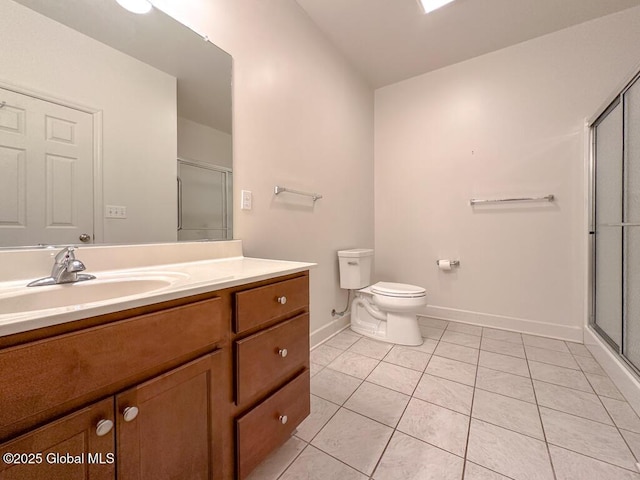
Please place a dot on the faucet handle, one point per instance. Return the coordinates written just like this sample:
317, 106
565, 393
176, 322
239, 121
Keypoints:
75, 266
65, 255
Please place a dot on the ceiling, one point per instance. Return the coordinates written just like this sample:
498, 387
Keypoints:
203, 71
392, 40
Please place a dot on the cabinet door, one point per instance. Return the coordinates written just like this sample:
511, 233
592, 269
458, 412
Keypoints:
75, 447
167, 427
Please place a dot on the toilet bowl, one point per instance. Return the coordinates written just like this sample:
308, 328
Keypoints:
385, 311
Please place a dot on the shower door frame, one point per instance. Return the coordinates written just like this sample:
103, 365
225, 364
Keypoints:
612, 102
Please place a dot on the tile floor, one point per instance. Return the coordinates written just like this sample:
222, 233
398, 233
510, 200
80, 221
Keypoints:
471, 403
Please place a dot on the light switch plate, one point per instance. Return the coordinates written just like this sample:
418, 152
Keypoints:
115, 211
246, 200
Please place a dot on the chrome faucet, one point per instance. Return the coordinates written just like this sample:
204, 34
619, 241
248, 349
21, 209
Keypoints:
66, 269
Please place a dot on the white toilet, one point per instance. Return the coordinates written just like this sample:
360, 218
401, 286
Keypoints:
384, 311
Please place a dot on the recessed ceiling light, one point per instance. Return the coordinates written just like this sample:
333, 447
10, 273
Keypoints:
136, 6
431, 5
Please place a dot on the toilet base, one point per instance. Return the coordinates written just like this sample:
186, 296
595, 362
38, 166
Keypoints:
399, 328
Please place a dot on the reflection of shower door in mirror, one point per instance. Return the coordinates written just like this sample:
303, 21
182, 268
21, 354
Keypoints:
617, 224
46, 172
203, 201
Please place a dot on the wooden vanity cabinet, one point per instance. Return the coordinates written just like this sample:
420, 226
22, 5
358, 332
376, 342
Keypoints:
164, 428
85, 455
271, 365
174, 432
140, 394
198, 388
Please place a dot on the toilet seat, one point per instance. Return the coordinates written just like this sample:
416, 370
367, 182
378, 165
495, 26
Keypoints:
398, 290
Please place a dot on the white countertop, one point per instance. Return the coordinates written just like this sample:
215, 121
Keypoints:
171, 281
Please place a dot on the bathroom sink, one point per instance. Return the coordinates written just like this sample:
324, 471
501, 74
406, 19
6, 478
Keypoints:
72, 294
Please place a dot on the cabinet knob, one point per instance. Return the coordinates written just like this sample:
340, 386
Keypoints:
282, 300
103, 427
283, 352
283, 419
130, 413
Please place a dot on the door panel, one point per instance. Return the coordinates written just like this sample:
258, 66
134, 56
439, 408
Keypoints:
75, 435
203, 203
631, 344
631, 312
175, 432
46, 172
608, 216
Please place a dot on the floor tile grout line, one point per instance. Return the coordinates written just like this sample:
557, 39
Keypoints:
466, 445
341, 406
464, 458
294, 459
490, 469
555, 365
544, 432
593, 458
521, 343
615, 424
337, 459
395, 429
445, 378
456, 359
358, 413
330, 418
503, 371
423, 372
459, 345
442, 406
510, 429
429, 443
503, 395
577, 416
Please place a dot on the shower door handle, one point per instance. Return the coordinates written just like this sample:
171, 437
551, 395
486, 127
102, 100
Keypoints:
179, 203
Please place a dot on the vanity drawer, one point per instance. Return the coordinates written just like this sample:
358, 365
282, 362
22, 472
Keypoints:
270, 356
271, 423
260, 305
47, 377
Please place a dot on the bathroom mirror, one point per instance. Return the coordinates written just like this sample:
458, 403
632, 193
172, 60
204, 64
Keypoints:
114, 127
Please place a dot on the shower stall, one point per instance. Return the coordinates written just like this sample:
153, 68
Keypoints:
204, 201
615, 224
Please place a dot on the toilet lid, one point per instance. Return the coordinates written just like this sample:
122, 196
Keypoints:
398, 289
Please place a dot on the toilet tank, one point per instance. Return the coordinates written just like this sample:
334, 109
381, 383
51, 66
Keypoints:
355, 268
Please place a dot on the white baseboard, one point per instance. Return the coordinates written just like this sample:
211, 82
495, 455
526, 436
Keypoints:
327, 331
619, 373
523, 325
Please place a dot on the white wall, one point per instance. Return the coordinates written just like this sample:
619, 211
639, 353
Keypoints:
204, 144
138, 105
302, 119
510, 123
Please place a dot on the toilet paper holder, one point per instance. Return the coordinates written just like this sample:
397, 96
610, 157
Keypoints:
453, 263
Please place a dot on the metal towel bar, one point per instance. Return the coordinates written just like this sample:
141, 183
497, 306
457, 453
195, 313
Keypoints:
548, 198
278, 190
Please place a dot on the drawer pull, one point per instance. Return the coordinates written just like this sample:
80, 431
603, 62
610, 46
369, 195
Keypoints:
283, 419
283, 352
103, 427
130, 414
282, 300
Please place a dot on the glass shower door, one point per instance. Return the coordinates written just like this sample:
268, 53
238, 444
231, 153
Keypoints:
608, 229
204, 206
631, 226
616, 224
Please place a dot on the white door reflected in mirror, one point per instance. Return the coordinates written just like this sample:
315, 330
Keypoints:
46, 171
